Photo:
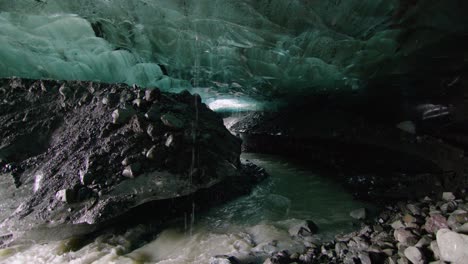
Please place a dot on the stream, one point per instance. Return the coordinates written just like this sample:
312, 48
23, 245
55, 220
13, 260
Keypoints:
249, 227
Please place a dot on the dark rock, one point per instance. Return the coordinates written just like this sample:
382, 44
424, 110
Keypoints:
154, 113
66, 196
132, 170
138, 103
86, 177
111, 100
73, 157
448, 207
121, 116
172, 121
152, 95
281, 257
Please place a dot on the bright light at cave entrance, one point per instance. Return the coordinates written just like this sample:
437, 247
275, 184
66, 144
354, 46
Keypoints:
230, 104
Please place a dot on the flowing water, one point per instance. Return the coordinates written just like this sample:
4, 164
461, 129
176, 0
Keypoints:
257, 223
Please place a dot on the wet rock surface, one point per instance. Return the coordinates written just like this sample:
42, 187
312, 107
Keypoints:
83, 153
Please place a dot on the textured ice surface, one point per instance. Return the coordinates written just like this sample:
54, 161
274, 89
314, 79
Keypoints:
256, 47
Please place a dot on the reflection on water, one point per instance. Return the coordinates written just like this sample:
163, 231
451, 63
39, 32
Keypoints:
248, 227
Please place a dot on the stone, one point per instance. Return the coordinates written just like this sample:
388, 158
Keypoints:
409, 219
397, 224
265, 247
365, 231
390, 260
414, 209
448, 196
389, 252
453, 246
86, 177
137, 124
340, 249
435, 249
132, 170
360, 243
463, 229
423, 242
126, 161
137, 103
403, 260
151, 131
359, 214
448, 207
111, 100
170, 141
377, 228
65, 195
65, 91
281, 257
63, 138
405, 237
151, 154
460, 216
457, 218
153, 113
364, 258
172, 121
152, 95
413, 226
294, 256
224, 259
414, 255
303, 228
435, 222
122, 116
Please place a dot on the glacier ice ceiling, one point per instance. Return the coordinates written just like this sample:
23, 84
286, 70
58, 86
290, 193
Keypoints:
259, 48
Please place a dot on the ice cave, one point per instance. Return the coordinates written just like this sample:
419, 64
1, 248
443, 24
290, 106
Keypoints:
233, 131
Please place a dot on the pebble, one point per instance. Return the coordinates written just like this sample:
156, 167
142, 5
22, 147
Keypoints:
405, 237
414, 255
448, 196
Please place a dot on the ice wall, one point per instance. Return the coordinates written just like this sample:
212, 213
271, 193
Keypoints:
262, 48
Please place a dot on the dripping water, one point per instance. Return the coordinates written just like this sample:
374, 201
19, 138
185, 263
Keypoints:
194, 162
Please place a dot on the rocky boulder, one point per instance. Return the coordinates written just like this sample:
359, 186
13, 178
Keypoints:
79, 154
453, 247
